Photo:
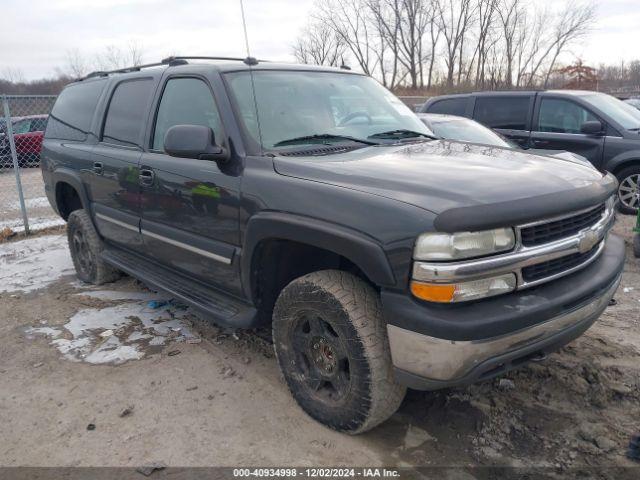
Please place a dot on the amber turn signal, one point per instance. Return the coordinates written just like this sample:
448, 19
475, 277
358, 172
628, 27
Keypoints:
433, 292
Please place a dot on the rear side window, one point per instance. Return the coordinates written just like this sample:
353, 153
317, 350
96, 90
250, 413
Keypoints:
127, 112
38, 124
73, 111
21, 126
508, 112
451, 106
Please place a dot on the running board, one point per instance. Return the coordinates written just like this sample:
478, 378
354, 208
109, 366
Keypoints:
210, 302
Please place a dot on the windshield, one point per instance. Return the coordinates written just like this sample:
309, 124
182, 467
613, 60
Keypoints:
465, 130
634, 102
627, 116
296, 104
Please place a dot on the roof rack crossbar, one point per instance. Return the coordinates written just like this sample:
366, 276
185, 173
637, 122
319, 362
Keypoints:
173, 60
247, 60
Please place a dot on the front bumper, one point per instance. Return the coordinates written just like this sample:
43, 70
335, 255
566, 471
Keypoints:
431, 348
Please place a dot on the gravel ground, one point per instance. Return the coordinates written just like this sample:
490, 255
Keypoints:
95, 376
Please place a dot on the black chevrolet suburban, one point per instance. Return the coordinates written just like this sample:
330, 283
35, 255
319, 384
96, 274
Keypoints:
312, 200
597, 126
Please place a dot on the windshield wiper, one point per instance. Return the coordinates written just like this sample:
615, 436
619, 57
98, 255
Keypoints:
402, 133
322, 136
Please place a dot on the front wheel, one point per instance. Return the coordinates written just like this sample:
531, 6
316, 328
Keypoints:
628, 193
331, 343
85, 246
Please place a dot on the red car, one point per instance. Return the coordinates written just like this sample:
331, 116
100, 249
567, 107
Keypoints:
27, 133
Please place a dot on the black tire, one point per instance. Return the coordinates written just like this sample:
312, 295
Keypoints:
85, 246
636, 245
330, 339
625, 176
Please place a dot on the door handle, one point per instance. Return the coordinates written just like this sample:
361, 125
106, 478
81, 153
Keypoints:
146, 177
98, 168
541, 143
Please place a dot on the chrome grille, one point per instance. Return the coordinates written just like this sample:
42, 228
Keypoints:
553, 267
541, 233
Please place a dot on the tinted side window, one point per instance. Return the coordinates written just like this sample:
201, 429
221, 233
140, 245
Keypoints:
127, 112
21, 126
73, 111
38, 124
562, 116
451, 106
185, 101
508, 112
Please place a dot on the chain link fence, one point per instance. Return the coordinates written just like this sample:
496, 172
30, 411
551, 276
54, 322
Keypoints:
23, 203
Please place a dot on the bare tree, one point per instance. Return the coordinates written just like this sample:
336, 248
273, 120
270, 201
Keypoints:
77, 64
319, 45
453, 17
574, 23
114, 57
350, 22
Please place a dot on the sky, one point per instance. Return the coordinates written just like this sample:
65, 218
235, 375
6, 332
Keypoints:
41, 33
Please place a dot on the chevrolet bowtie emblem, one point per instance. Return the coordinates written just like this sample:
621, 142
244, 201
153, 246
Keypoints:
587, 241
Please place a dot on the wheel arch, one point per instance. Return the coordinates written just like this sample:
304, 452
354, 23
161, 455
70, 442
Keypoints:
67, 183
303, 241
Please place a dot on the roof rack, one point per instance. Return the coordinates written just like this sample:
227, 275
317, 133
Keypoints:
171, 62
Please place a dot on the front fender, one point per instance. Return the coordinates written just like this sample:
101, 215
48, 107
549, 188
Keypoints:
367, 254
622, 160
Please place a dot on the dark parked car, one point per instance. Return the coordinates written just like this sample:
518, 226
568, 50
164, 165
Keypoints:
313, 200
599, 127
452, 127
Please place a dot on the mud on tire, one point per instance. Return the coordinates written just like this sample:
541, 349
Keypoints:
331, 343
85, 246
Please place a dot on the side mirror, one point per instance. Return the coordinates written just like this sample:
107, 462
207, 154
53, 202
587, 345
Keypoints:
593, 127
193, 141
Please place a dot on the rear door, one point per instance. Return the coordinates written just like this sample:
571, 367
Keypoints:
557, 123
507, 114
190, 207
114, 184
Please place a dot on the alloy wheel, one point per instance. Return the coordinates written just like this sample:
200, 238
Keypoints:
628, 191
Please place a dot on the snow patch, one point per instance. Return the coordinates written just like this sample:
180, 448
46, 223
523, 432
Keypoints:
116, 295
33, 263
132, 328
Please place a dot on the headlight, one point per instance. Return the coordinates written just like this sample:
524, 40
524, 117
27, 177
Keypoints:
456, 246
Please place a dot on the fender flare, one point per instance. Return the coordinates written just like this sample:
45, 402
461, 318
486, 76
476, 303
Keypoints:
367, 254
623, 160
73, 178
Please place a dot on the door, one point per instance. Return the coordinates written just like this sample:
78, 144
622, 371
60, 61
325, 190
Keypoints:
507, 114
190, 207
114, 177
557, 127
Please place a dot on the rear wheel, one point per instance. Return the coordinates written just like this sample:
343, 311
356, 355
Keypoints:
85, 246
331, 342
628, 193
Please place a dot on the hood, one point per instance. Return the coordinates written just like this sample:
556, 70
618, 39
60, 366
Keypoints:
442, 175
